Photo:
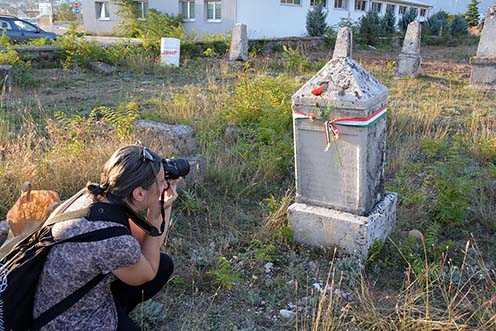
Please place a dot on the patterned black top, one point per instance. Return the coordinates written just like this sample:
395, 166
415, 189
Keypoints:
71, 265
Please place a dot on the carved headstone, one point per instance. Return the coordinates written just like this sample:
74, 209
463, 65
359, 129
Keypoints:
484, 63
409, 60
239, 43
340, 198
173, 141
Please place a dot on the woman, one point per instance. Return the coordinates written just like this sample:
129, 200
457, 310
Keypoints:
132, 179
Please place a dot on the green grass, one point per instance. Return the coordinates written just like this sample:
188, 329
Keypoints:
441, 160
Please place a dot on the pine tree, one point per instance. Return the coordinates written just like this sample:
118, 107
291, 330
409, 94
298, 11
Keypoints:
472, 14
316, 21
388, 21
407, 18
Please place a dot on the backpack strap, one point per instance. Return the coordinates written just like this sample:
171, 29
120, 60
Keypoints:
69, 301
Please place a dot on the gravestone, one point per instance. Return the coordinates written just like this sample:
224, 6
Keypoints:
340, 198
172, 141
484, 62
409, 59
239, 43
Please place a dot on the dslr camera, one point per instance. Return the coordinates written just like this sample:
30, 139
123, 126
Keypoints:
175, 168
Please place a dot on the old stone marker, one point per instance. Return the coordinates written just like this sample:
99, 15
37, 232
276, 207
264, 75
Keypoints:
484, 63
409, 60
173, 141
239, 43
340, 198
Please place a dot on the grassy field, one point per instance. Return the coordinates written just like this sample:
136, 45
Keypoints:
236, 263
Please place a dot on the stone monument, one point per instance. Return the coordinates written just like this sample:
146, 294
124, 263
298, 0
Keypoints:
239, 43
409, 59
484, 62
340, 198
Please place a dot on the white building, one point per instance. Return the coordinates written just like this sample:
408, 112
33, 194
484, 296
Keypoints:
264, 18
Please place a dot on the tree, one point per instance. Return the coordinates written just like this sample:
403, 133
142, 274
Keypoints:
64, 13
438, 23
316, 21
369, 28
407, 18
388, 21
472, 14
458, 26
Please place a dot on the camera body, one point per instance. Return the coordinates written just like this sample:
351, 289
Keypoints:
175, 168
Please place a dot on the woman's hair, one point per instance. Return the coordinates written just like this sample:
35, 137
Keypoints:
128, 168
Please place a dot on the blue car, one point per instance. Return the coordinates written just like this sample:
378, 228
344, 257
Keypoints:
20, 31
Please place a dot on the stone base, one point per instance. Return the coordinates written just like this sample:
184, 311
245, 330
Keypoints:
483, 71
350, 234
408, 66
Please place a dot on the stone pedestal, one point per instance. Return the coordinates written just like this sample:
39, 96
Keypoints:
409, 60
239, 43
349, 233
484, 63
340, 197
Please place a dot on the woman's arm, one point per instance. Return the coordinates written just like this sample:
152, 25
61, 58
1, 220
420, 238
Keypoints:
146, 268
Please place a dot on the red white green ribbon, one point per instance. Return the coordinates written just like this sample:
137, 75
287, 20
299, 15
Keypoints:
332, 132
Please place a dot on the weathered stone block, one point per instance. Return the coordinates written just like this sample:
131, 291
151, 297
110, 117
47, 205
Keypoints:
408, 66
350, 175
484, 63
102, 68
351, 234
198, 169
6, 75
409, 60
239, 43
483, 71
167, 140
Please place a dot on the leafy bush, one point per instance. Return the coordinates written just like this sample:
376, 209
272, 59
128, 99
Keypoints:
458, 26
438, 23
261, 107
388, 21
407, 18
316, 21
369, 28
64, 13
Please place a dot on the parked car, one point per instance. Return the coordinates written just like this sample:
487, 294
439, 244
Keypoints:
22, 31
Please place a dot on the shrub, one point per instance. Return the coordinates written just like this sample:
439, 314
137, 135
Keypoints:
407, 18
438, 23
472, 14
458, 26
64, 13
388, 21
316, 21
369, 28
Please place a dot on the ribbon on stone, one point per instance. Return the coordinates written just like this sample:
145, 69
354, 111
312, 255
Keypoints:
330, 126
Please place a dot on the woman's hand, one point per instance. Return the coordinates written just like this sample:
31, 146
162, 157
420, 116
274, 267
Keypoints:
154, 214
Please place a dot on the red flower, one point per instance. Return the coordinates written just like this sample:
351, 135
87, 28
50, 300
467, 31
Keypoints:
318, 91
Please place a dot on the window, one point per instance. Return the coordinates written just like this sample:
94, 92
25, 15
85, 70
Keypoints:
141, 8
423, 12
360, 5
402, 10
188, 10
317, 2
292, 2
102, 10
377, 7
341, 4
390, 7
214, 11
5, 25
25, 26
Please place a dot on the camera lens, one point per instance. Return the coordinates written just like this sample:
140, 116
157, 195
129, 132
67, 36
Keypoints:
175, 168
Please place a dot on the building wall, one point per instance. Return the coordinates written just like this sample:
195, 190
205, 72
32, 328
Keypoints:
90, 21
271, 19
200, 25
